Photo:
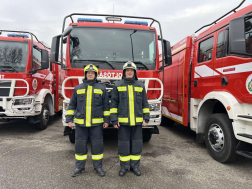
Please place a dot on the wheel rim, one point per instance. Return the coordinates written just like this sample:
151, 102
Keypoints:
45, 116
216, 137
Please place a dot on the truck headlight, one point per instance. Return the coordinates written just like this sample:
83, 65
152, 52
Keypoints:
65, 106
154, 107
24, 101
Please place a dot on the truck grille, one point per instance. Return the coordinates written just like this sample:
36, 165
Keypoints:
5, 91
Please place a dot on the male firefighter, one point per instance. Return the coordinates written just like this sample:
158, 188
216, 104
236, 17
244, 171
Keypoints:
128, 112
89, 107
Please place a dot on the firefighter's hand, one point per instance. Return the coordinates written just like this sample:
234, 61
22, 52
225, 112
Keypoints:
144, 123
70, 124
105, 125
117, 126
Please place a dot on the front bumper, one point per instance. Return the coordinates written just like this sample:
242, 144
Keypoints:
8, 109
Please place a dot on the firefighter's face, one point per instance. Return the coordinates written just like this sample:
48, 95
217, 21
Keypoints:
129, 73
90, 75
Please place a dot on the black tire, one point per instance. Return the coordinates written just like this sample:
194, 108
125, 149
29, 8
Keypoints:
44, 118
166, 121
147, 135
220, 139
72, 136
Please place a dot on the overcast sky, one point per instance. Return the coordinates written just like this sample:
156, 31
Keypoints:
178, 18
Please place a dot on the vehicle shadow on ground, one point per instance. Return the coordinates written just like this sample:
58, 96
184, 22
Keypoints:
23, 126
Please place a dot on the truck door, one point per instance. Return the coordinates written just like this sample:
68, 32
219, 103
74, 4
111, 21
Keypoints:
203, 71
219, 80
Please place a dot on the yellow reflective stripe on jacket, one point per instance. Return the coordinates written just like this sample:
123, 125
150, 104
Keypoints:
79, 121
113, 110
97, 120
106, 113
133, 157
98, 91
80, 157
70, 112
89, 105
124, 158
123, 120
81, 91
138, 89
97, 157
146, 110
139, 119
131, 105
122, 88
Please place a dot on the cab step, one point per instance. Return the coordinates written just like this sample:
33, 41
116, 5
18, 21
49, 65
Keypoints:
244, 149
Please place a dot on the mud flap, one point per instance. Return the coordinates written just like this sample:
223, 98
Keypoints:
155, 130
68, 131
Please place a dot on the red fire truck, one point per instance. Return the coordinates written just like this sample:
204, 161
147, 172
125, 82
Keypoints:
108, 44
30, 87
208, 86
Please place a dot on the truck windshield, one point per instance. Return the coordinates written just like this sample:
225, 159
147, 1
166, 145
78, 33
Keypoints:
115, 46
13, 56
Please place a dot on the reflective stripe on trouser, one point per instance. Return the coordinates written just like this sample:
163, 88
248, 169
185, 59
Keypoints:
130, 146
81, 138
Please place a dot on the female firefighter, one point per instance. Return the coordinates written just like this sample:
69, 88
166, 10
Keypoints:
128, 112
89, 107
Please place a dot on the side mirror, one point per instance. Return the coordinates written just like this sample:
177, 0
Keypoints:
237, 29
55, 49
167, 53
44, 59
67, 31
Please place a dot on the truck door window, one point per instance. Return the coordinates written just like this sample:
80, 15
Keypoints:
36, 60
205, 50
221, 44
151, 50
248, 35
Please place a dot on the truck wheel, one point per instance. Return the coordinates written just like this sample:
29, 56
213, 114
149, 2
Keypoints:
72, 136
166, 121
147, 135
220, 139
44, 118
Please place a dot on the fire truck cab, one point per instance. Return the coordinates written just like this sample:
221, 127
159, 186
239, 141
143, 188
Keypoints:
109, 43
29, 84
208, 86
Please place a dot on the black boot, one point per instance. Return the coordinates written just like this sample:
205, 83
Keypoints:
122, 172
136, 171
100, 172
77, 172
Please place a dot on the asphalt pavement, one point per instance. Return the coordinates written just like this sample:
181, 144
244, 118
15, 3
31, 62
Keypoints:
45, 159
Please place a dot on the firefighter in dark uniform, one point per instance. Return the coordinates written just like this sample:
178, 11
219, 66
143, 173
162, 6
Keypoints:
89, 107
129, 111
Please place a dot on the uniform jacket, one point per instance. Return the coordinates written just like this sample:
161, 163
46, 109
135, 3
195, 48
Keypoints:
89, 105
129, 103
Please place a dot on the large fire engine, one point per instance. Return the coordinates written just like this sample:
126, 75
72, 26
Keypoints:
108, 44
208, 86
30, 87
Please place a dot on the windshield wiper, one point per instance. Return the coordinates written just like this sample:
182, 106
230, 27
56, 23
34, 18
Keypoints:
8, 66
75, 61
138, 62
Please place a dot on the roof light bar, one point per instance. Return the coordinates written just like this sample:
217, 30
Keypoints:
18, 35
115, 19
136, 22
89, 20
